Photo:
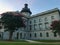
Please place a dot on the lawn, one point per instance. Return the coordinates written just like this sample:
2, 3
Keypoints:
47, 40
24, 43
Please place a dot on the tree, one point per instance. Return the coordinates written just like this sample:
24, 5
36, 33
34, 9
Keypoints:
12, 21
55, 26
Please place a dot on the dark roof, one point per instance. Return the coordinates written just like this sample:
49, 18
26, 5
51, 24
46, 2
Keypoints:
26, 9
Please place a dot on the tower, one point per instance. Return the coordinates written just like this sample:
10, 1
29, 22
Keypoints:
26, 11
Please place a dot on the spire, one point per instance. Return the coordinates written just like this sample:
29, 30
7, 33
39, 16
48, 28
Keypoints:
26, 9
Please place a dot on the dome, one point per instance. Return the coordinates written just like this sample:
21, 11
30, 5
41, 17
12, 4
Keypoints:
26, 9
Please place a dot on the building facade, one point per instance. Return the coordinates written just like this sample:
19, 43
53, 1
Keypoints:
37, 26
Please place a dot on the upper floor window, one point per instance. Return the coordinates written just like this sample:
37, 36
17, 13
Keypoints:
46, 19
34, 21
35, 26
40, 20
47, 25
40, 26
52, 17
30, 27
30, 22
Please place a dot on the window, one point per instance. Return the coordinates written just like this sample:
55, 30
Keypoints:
30, 34
24, 35
0, 27
52, 17
46, 26
46, 19
30, 22
34, 21
35, 35
0, 35
35, 26
30, 27
17, 35
0, 22
55, 34
40, 26
47, 34
20, 35
40, 34
40, 20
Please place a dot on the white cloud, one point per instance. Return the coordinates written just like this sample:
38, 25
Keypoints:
5, 7
11, 5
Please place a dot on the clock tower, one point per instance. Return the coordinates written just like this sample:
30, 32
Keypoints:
26, 11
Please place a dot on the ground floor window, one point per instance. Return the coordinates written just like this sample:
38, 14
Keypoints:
20, 35
17, 35
35, 35
40, 34
47, 34
0, 35
55, 34
30, 35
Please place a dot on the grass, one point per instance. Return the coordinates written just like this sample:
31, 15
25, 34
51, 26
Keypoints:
13, 40
21, 43
48, 40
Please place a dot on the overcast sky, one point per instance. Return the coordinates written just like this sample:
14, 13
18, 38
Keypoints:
36, 6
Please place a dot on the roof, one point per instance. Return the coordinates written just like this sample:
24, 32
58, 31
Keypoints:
45, 12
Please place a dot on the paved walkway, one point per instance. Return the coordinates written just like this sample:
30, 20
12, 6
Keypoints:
31, 41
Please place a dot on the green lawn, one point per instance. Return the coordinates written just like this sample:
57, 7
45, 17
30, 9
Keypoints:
47, 40
24, 43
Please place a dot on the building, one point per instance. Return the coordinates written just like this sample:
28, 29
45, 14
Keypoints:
37, 26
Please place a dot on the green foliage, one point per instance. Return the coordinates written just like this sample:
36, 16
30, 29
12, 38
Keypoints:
12, 21
55, 26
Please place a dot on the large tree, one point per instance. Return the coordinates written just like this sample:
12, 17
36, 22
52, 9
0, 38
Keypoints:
12, 21
55, 26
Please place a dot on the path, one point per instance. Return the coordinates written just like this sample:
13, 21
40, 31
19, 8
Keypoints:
31, 41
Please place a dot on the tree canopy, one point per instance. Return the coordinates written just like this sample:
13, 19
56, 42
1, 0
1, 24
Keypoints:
55, 26
12, 21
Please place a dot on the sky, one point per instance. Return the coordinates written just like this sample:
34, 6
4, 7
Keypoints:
36, 6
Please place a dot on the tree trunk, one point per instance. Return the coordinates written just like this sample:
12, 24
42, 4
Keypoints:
10, 35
